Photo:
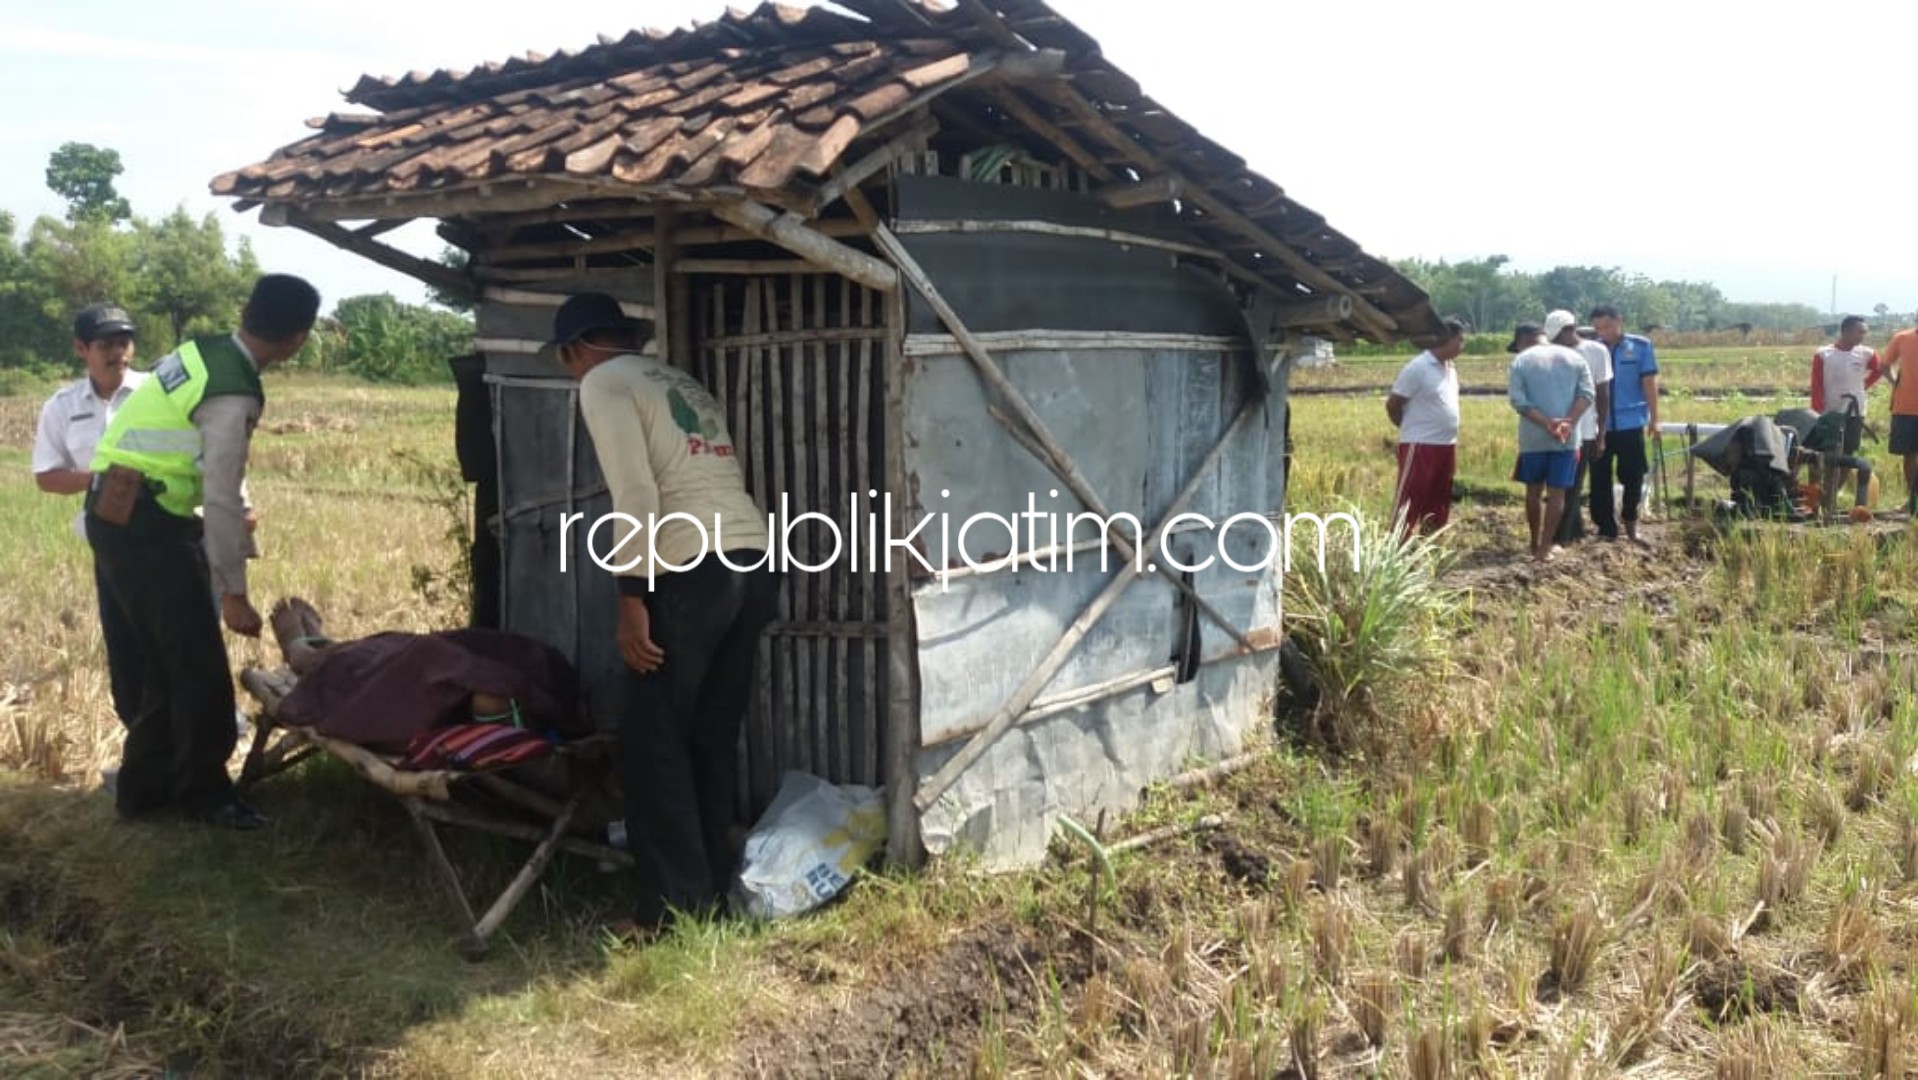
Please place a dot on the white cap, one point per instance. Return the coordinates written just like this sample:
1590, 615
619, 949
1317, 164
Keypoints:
1557, 322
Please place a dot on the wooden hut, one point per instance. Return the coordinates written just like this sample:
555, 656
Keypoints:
948, 255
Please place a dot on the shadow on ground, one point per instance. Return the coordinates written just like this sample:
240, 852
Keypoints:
304, 949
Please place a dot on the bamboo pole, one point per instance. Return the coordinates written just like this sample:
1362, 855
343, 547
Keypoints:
432, 273
791, 232
455, 814
528, 873
442, 867
850, 176
964, 226
859, 395
903, 844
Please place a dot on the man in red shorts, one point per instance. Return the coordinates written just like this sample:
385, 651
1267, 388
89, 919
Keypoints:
1424, 407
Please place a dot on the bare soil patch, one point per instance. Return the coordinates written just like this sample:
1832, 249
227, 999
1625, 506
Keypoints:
935, 1009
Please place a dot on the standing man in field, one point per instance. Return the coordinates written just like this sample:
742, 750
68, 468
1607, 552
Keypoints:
1591, 426
71, 423
1844, 371
1550, 387
1423, 405
178, 445
1900, 353
696, 589
1633, 411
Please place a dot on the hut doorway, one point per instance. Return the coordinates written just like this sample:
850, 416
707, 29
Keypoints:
799, 361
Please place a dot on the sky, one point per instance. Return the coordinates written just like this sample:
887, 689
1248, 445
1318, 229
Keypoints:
1762, 154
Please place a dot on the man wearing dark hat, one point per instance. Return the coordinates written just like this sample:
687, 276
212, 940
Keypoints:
71, 422
696, 588
179, 445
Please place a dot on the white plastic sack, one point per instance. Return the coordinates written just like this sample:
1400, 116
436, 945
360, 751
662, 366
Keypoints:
806, 846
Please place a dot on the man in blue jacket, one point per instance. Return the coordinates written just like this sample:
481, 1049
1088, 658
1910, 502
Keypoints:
1634, 411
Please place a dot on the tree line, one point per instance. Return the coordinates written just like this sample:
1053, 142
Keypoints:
176, 276
1492, 298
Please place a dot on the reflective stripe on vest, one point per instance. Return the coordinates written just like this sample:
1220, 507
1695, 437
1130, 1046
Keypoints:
154, 433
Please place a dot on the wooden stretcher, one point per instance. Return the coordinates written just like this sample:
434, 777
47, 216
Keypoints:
438, 797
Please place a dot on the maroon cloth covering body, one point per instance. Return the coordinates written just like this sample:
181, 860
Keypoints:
381, 691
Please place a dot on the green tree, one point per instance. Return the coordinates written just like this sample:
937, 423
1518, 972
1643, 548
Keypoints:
186, 276
25, 329
82, 174
388, 341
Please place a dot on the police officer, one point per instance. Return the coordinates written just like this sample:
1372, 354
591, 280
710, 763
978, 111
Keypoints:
71, 423
177, 445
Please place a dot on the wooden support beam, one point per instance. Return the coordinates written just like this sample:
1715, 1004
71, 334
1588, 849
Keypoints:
1090, 119
372, 229
742, 266
1144, 193
1049, 228
502, 294
679, 304
1015, 106
862, 210
851, 176
667, 329
570, 249
1336, 308
701, 235
791, 232
490, 197
903, 731
528, 874
434, 274
536, 273
504, 225
1032, 66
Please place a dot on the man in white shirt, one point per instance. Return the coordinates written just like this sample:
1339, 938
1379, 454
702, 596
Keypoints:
1591, 426
71, 423
1844, 371
1423, 405
696, 588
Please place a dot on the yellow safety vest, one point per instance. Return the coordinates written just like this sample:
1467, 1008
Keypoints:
154, 433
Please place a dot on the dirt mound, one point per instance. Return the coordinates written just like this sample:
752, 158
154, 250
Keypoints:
888, 1026
1734, 990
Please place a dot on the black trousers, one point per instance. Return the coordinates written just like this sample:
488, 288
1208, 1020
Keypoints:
679, 730
1571, 527
155, 575
1624, 450
126, 659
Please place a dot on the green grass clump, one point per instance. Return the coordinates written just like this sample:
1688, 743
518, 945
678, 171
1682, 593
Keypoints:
1374, 630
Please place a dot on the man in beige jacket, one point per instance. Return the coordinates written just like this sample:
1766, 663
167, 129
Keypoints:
696, 589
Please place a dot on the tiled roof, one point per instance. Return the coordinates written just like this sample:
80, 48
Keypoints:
769, 100
748, 101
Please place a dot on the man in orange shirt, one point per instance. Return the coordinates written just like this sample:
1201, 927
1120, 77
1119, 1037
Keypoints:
1904, 409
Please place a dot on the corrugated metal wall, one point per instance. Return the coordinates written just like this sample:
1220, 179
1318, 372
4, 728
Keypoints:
1137, 365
